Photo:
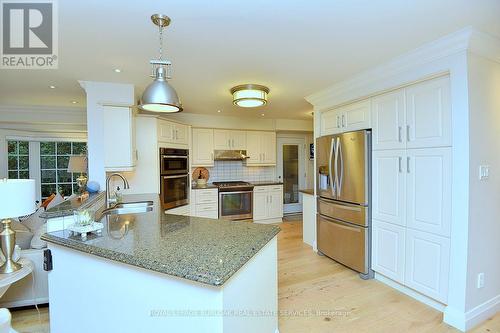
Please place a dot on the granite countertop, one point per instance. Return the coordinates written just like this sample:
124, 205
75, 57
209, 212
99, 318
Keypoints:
67, 207
307, 191
204, 250
209, 185
264, 183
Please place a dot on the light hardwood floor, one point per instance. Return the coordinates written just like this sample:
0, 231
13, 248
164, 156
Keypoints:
317, 295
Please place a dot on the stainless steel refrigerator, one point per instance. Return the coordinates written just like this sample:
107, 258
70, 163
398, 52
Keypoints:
343, 187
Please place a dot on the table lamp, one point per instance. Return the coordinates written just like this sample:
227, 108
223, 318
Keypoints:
17, 198
79, 164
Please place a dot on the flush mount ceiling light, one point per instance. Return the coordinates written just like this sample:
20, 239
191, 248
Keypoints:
160, 96
249, 95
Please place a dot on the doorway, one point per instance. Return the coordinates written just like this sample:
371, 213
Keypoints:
291, 171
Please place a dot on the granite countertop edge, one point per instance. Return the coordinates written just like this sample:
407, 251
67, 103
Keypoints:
54, 212
217, 281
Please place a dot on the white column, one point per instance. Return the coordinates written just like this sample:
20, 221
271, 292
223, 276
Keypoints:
99, 93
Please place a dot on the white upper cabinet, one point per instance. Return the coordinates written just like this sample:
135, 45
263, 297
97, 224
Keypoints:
429, 190
389, 121
229, 140
351, 117
203, 147
428, 114
427, 264
173, 133
119, 145
389, 186
388, 255
261, 148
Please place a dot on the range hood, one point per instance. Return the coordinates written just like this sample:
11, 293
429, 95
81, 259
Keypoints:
230, 155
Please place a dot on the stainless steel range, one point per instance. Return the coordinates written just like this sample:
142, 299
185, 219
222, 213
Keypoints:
235, 200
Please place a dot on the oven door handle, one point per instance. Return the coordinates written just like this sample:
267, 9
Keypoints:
174, 156
237, 192
178, 176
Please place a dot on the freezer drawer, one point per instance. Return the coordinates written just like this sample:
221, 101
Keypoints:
343, 242
350, 213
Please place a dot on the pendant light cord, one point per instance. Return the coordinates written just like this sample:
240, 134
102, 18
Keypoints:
161, 42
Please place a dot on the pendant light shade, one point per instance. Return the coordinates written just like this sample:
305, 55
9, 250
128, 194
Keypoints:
160, 96
249, 95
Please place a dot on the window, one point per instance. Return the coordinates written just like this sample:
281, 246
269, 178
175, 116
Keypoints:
54, 158
50, 174
18, 160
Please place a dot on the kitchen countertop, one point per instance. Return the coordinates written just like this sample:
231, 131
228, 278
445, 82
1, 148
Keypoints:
204, 250
67, 207
264, 183
307, 191
204, 187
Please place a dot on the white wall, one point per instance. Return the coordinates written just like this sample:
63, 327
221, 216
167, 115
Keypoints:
484, 196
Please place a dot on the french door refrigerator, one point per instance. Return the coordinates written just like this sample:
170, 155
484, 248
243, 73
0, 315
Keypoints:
343, 187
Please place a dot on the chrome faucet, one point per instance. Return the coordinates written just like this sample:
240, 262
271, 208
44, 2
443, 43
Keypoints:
125, 186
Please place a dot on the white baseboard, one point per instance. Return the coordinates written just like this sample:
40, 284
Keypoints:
475, 316
269, 221
410, 292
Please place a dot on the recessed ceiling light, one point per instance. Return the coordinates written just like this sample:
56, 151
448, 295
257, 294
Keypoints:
117, 70
261, 114
74, 102
52, 87
219, 111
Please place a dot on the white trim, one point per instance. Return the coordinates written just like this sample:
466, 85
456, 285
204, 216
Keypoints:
475, 316
269, 221
410, 292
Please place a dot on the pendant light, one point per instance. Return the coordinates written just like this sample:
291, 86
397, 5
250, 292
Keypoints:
249, 95
160, 96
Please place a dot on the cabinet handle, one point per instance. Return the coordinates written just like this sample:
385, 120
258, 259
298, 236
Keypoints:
229, 143
270, 199
212, 156
338, 122
343, 120
399, 134
408, 164
408, 133
232, 142
176, 134
400, 164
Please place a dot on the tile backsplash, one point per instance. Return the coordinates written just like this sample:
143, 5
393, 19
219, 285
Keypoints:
236, 170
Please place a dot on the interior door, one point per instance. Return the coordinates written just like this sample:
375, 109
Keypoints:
291, 171
351, 165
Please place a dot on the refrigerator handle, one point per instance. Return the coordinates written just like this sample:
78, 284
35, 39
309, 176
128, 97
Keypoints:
332, 184
335, 167
341, 178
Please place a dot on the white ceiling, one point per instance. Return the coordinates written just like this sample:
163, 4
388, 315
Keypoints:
294, 47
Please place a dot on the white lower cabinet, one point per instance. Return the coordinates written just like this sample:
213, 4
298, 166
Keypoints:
183, 210
268, 203
427, 264
205, 203
388, 246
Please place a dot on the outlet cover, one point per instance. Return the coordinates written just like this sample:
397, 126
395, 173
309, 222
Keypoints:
480, 280
484, 172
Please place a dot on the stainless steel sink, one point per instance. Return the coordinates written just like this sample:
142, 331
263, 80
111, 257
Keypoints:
128, 208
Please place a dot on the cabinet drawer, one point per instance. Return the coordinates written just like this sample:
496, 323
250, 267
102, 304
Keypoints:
206, 196
261, 189
206, 207
208, 214
276, 188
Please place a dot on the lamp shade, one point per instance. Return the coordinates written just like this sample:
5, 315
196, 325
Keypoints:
160, 96
77, 164
17, 197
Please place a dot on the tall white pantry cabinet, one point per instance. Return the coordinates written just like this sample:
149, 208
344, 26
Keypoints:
411, 186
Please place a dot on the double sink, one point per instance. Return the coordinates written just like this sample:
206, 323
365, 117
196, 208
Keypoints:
128, 208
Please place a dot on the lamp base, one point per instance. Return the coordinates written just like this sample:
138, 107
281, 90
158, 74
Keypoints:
10, 266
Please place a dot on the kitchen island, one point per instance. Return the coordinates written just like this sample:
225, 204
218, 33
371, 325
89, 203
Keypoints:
155, 272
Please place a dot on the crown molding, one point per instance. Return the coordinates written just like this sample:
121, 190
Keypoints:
44, 109
467, 39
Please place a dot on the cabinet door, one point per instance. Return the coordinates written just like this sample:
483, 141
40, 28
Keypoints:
388, 121
275, 204
203, 147
268, 148
389, 186
428, 114
222, 139
427, 264
260, 205
181, 134
388, 256
238, 140
118, 157
330, 122
166, 131
429, 190
355, 116
253, 148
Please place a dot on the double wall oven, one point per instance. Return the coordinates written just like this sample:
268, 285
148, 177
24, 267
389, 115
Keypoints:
174, 177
